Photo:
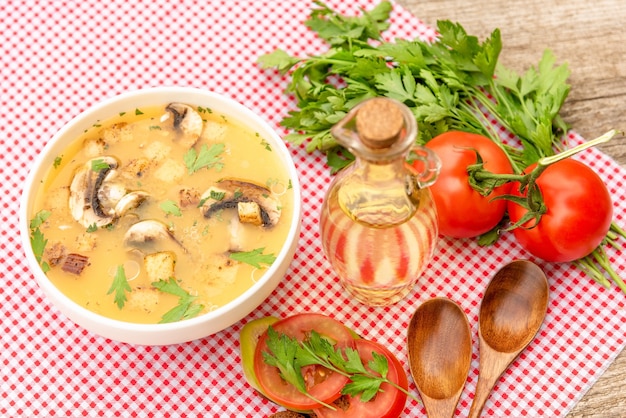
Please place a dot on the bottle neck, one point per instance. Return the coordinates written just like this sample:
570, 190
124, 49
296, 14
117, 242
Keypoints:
377, 194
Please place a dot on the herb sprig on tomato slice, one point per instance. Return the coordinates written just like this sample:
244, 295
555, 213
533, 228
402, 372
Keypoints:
308, 362
290, 355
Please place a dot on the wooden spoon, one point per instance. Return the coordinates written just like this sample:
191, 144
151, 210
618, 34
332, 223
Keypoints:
440, 352
511, 313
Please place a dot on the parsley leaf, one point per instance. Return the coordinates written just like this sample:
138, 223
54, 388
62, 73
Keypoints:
215, 195
206, 158
283, 354
39, 218
278, 59
339, 30
254, 258
186, 307
37, 240
120, 286
99, 164
290, 355
170, 208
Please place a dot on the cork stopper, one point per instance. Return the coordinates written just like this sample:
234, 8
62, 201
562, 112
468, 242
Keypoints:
379, 123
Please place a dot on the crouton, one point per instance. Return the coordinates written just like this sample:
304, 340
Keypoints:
56, 199
119, 132
135, 168
55, 253
160, 265
143, 299
213, 131
249, 212
171, 171
94, 147
75, 263
157, 151
188, 196
85, 242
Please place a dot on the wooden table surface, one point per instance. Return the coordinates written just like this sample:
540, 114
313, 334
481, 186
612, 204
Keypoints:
590, 37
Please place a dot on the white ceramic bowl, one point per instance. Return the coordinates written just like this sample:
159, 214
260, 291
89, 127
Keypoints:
182, 331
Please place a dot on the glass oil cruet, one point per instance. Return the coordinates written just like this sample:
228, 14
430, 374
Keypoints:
378, 221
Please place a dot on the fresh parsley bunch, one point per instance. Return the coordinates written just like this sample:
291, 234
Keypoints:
448, 85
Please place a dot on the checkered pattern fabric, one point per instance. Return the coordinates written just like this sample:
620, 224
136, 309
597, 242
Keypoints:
59, 58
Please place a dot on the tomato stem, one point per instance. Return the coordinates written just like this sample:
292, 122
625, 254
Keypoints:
485, 181
546, 161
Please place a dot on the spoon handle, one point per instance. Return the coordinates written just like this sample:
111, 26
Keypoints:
483, 390
492, 365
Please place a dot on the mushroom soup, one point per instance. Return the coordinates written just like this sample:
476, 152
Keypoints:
161, 214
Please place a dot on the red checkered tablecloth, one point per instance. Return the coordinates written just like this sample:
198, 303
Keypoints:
59, 58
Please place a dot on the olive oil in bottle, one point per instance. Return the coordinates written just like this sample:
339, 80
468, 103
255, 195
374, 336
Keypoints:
378, 220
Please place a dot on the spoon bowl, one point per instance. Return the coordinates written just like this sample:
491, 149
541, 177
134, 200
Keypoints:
440, 352
511, 313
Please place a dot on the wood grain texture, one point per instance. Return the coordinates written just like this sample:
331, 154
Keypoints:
591, 38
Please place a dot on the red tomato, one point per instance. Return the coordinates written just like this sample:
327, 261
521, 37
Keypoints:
321, 383
462, 211
389, 403
579, 213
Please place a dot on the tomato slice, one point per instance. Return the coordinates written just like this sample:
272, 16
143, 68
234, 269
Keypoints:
248, 340
388, 403
322, 383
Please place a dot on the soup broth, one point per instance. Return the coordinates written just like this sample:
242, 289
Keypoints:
163, 213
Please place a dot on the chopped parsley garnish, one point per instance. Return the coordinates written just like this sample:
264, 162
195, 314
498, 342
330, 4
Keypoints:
39, 218
215, 195
99, 164
186, 308
254, 258
271, 182
92, 228
37, 240
138, 112
120, 287
170, 208
57, 161
203, 201
266, 145
206, 158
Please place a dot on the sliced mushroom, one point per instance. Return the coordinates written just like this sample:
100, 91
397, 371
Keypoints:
229, 193
235, 242
130, 201
187, 122
110, 193
84, 200
150, 236
95, 196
